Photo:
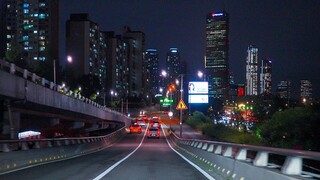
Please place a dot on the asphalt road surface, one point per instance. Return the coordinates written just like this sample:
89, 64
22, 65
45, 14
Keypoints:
133, 157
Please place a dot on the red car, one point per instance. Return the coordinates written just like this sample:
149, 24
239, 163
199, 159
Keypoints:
135, 128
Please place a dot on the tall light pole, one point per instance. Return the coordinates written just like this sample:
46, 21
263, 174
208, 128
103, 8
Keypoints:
54, 72
181, 94
170, 115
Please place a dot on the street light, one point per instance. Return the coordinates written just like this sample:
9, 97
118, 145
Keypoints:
69, 59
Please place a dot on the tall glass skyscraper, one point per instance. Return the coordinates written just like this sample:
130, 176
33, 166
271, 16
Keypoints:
173, 64
252, 71
217, 54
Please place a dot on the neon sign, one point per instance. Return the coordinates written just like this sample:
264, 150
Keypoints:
217, 14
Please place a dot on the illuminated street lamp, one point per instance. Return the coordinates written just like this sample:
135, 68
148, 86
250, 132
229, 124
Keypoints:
69, 59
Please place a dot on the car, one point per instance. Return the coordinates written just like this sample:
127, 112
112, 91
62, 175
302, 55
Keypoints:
135, 128
153, 132
141, 122
155, 124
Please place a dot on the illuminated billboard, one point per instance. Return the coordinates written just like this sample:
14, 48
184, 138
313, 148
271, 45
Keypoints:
199, 87
198, 99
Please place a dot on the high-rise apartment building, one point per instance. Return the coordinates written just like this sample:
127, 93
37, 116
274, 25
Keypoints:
8, 24
305, 90
34, 24
217, 54
173, 64
117, 65
86, 46
138, 79
265, 76
252, 71
152, 66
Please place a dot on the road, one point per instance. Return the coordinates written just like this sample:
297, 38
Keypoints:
133, 157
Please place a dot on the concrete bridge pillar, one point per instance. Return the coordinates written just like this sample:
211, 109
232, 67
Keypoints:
10, 123
77, 125
54, 121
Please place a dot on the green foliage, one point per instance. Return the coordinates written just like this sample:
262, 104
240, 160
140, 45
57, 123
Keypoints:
293, 128
220, 132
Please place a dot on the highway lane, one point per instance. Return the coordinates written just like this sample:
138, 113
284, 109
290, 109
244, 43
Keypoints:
153, 160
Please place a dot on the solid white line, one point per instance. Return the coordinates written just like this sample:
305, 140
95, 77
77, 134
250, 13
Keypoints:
117, 163
191, 163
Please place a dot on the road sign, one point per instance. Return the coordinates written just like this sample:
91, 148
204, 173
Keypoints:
181, 105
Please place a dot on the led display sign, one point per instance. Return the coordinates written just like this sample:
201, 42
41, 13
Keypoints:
200, 87
198, 99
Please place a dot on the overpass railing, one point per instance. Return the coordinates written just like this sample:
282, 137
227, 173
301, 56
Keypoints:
15, 70
24, 153
288, 162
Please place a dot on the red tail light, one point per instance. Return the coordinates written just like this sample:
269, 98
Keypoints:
148, 132
158, 132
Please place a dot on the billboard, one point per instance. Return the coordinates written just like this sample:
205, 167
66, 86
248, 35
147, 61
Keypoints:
198, 98
200, 87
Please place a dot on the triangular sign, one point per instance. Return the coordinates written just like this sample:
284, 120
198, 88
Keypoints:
181, 105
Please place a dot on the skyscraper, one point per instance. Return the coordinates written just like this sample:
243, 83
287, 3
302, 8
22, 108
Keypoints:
152, 66
284, 90
86, 46
217, 54
305, 90
252, 71
173, 64
265, 76
34, 24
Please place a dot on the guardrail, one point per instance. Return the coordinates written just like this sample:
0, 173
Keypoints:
15, 70
38, 151
257, 156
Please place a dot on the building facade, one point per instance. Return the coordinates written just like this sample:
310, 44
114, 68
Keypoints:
86, 46
265, 76
34, 25
284, 90
173, 65
305, 91
152, 66
217, 54
252, 71
138, 79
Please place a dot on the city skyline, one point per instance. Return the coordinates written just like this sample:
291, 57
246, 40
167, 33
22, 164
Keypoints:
288, 36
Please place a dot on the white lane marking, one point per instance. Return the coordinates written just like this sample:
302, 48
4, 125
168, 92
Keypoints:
191, 163
117, 163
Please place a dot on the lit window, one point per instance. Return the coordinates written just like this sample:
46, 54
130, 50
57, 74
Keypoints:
8, 36
26, 43
25, 5
42, 5
25, 38
8, 6
35, 58
42, 43
42, 16
8, 27
42, 48
35, 15
26, 11
42, 38
35, 31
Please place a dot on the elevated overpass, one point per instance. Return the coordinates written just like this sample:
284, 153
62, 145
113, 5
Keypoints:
24, 94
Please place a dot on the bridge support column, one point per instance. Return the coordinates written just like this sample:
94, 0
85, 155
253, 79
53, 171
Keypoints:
77, 125
10, 123
54, 121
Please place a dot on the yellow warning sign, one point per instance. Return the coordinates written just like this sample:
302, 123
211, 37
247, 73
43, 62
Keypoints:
181, 105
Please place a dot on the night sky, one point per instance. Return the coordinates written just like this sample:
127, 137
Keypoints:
286, 31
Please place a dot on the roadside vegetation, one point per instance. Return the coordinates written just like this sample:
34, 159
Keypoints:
296, 128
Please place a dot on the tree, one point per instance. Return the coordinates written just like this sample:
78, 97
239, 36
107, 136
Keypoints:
293, 128
14, 54
90, 85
